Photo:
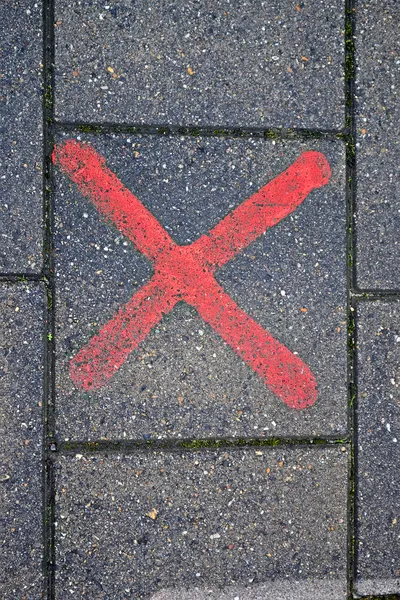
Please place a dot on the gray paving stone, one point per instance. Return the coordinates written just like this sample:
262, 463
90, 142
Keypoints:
239, 63
21, 308
183, 380
378, 147
208, 524
21, 137
378, 543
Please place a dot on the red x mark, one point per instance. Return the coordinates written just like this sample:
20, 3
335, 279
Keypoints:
187, 272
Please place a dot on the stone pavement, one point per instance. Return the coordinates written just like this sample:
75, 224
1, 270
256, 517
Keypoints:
200, 289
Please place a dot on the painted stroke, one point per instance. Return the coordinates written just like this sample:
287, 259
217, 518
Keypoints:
186, 273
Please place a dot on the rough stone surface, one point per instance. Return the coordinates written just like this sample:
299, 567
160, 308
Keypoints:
21, 308
312, 589
378, 146
238, 63
21, 138
378, 525
183, 380
137, 526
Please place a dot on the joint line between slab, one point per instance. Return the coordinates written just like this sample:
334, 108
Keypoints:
197, 131
21, 277
131, 446
349, 82
373, 295
48, 270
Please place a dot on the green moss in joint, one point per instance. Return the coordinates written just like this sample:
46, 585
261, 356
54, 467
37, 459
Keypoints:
271, 135
351, 327
349, 46
195, 132
48, 97
49, 300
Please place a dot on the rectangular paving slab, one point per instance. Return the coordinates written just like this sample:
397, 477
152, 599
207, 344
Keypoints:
201, 63
21, 308
378, 523
258, 523
21, 138
204, 368
378, 145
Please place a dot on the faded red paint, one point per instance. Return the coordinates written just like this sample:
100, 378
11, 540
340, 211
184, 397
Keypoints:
187, 272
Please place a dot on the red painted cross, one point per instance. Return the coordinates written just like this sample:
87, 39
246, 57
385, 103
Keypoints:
187, 272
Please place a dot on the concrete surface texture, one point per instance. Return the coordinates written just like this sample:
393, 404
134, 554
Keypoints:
201, 63
21, 402
379, 450
199, 294
378, 112
200, 519
21, 146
